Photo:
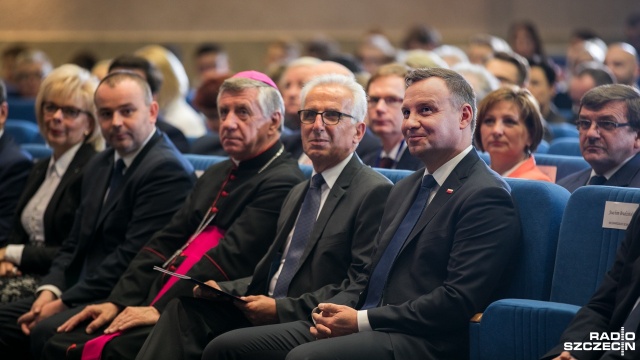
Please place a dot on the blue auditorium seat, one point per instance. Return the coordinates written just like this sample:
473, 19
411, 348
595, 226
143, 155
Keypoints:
563, 130
23, 132
565, 146
565, 165
37, 151
200, 163
23, 109
527, 329
540, 206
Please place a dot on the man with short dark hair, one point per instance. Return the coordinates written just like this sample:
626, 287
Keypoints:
14, 170
609, 125
509, 68
542, 84
211, 59
444, 241
154, 78
128, 193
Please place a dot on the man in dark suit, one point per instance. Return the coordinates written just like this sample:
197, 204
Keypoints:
385, 91
432, 270
154, 79
238, 198
613, 305
609, 126
14, 170
128, 193
299, 270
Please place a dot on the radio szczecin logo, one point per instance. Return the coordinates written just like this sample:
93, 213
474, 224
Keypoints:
616, 341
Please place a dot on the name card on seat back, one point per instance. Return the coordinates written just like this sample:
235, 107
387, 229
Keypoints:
617, 215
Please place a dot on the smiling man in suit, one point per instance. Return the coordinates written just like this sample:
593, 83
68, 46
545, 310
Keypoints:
324, 238
609, 125
128, 193
444, 242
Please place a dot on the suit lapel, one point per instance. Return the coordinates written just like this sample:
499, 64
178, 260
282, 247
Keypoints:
625, 174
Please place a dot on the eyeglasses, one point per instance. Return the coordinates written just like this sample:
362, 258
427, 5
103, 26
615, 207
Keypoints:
389, 100
68, 112
328, 117
583, 124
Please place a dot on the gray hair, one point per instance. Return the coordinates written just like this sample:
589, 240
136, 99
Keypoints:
359, 96
486, 82
269, 98
461, 91
599, 97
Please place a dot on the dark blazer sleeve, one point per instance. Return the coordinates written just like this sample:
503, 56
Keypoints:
607, 310
14, 170
368, 200
574, 181
161, 190
476, 238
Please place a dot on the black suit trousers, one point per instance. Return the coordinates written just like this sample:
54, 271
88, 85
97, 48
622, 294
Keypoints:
199, 321
294, 341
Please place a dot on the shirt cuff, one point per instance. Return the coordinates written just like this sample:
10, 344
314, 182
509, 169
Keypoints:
54, 289
363, 321
13, 254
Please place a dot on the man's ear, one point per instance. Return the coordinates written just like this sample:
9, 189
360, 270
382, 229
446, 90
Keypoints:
361, 128
154, 109
4, 113
276, 122
467, 116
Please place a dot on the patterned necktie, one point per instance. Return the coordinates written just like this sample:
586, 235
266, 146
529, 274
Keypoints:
386, 163
597, 180
116, 178
304, 225
381, 272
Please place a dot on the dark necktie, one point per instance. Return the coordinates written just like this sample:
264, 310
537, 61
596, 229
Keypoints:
304, 225
386, 163
381, 272
597, 180
116, 178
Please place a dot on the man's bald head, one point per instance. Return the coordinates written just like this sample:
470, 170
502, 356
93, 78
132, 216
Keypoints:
330, 67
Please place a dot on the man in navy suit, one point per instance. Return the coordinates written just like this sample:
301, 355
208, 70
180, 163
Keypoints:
444, 241
14, 170
129, 192
609, 125
385, 91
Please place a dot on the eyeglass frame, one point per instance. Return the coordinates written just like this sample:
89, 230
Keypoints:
374, 100
321, 113
53, 108
599, 126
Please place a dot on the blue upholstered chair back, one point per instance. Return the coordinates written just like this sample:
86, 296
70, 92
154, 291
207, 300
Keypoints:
586, 250
23, 132
393, 174
564, 130
543, 147
565, 146
565, 165
23, 109
200, 163
540, 206
37, 151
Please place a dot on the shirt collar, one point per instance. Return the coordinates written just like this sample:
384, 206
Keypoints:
128, 159
395, 152
610, 173
331, 175
443, 172
61, 165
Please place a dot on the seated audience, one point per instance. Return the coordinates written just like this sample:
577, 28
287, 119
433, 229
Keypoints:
206, 101
525, 40
128, 192
149, 72
422, 36
542, 84
613, 306
221, 232
510, 130
374, 51
452, 55
622, 60
210, 60
588, 76
14, 170
418, 58
31, 67
67, 120
481, 80
385, 92
433, 267
609, 125
8, 68
482, 47
172, 96
296, 74
509, 68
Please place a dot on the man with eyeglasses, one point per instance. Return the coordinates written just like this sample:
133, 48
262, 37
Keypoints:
324, 237
609, 125
444, 243
385, 92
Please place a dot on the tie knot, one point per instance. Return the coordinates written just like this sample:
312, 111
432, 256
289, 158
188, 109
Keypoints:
119, 166
429, 181
597, 180
316, 181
